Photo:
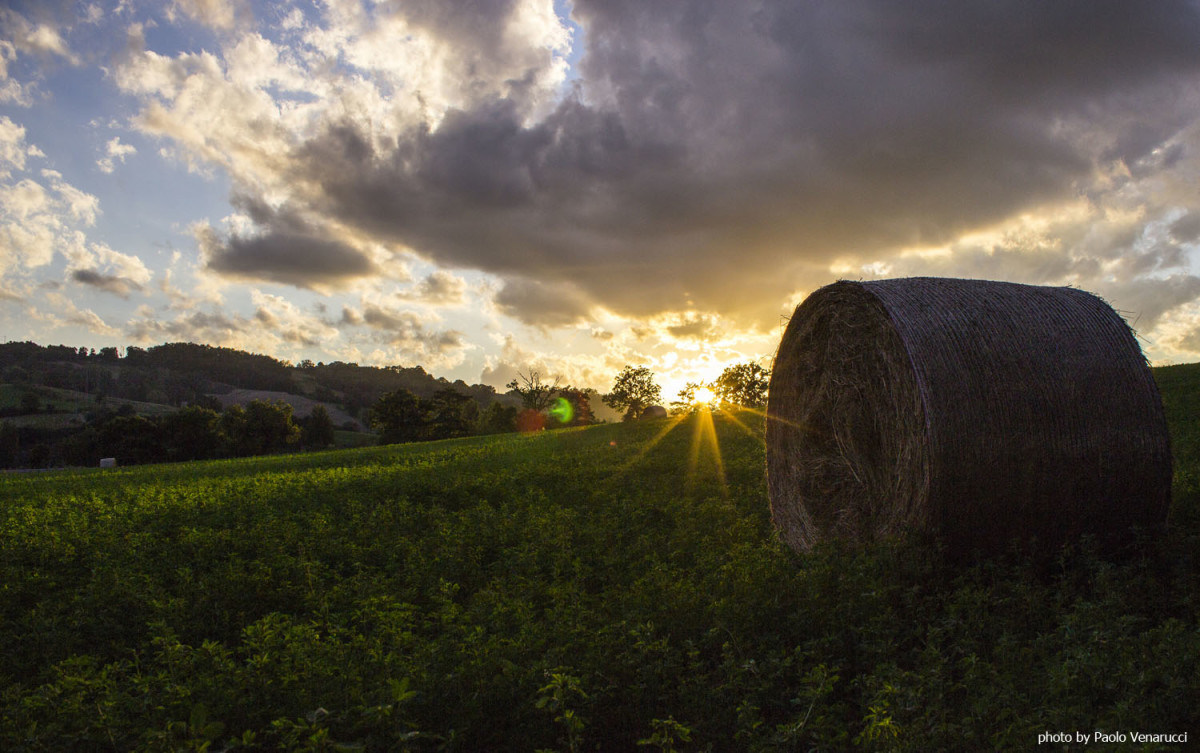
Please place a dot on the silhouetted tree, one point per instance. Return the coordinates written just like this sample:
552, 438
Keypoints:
632, 391
449, 413
10, 445
498, 419
132, 439
192, 433
581, 405
81, 447
259, 428
685, 401
397, 416
743, 384
270, 426
318, 429
535, 393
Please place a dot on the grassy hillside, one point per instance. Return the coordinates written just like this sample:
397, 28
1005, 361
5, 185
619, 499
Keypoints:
605, 588
60, 408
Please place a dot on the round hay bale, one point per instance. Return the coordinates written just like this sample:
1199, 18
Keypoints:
975, 412
654, 411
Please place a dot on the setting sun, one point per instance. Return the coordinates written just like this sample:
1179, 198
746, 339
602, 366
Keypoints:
703, 396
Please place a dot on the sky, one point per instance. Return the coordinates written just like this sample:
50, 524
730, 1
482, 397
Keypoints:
486, 186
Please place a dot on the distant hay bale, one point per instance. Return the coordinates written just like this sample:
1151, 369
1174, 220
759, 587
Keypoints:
108, 462
654, 411
978, 413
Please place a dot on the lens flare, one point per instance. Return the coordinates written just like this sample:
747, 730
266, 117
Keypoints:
562, 410
703, 396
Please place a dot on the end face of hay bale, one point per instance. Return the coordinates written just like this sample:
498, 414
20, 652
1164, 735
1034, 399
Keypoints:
846, 452
982, 413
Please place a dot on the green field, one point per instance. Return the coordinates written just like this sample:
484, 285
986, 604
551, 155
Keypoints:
611, 588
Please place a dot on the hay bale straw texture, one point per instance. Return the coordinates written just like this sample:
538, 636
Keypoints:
975, 412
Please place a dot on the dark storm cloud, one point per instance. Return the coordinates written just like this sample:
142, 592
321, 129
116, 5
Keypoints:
1153, 297
114, 284
288, 250
540, 303
724, 153
1187, 228
298, 260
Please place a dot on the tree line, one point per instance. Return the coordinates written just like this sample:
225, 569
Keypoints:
740, 385
401, 416
194, 432
184, 373
400, 404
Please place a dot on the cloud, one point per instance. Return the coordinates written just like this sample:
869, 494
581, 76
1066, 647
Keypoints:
66, 313
1186, 229
513, 360
542, 304
13, 149
38, 219
218, 14
439, 288
289, 322
120, 286
114, 151
38, 39
81, 206
729, 168
294, 253
277, 326
98, 266
701, 157
213, 327
695, 326
407, 333
299, 260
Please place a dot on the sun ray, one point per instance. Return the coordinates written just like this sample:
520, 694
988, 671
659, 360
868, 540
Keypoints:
758, 435
773, 417
641, 453
704, 432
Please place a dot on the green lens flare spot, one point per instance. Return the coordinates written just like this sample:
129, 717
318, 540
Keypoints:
562, 410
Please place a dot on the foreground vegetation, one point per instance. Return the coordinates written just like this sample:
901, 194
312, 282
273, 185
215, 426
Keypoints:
601, 588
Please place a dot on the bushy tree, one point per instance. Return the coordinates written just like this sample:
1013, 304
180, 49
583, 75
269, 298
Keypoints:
449, 414
192, 433
398, 417
317, 432
10, 444
580, 402
133, 440
743, 384
259, 428
271, 425
633, 390
685, 400
498, 419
